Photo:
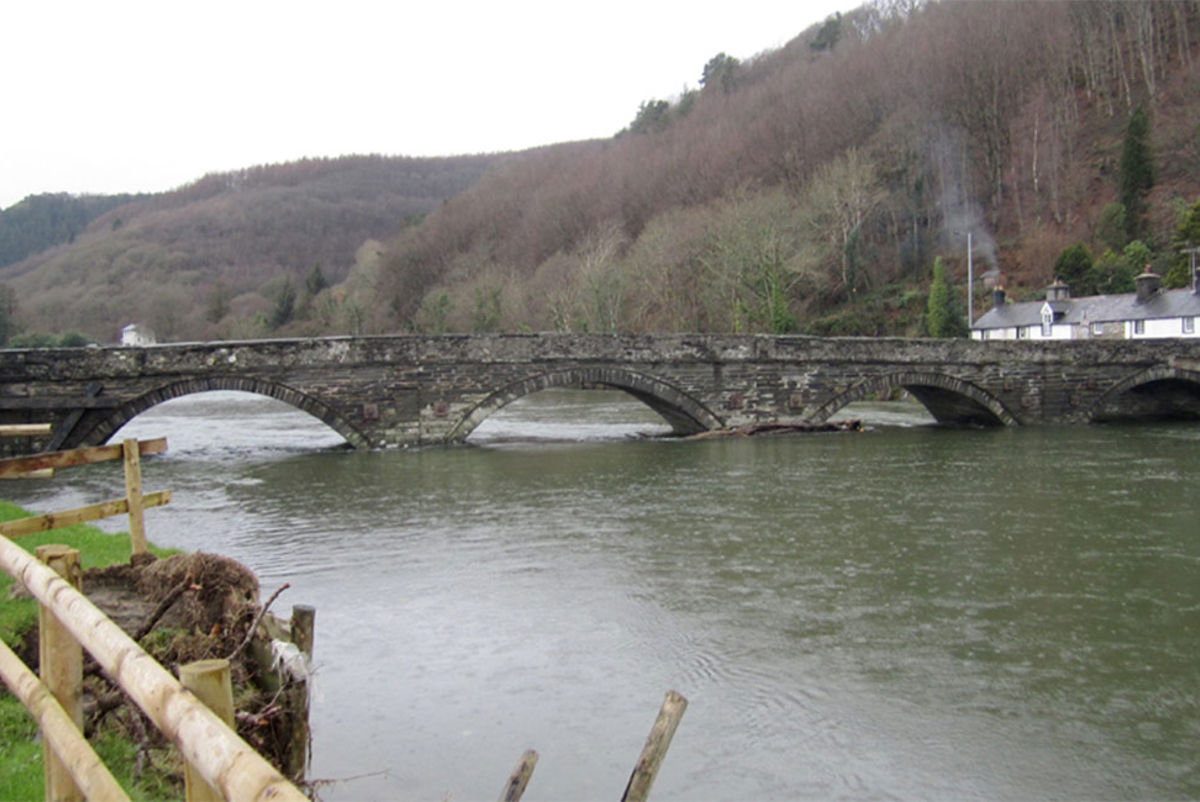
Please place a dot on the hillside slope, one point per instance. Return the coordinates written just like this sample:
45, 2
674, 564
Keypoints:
211, 259
811, 188
808, 189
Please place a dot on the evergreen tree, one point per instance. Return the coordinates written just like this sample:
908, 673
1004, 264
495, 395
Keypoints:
1186, 237
1137, 173
315, 281
285, 306
8, 311
942, 318
721, 72
1074, 266
829, 34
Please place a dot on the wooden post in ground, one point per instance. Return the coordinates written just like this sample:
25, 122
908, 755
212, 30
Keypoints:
92, 776
207, 742
212, 684
133, 492
655, 749
60, 662
514, 789
297, 702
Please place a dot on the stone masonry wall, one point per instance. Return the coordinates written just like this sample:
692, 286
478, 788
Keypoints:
410, 390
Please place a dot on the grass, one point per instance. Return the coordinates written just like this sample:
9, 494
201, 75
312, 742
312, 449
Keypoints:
20, 753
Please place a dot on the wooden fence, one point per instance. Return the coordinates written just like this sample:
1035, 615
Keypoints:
226, 767
196, 714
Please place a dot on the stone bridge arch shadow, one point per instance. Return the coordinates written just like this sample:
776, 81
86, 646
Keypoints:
121, 415
1158, 394
948, 400
681, 411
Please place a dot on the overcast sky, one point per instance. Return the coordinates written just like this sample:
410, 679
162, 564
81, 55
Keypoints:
129, 96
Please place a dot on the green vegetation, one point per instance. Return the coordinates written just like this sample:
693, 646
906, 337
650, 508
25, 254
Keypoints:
1137, 172
1111, 273
1186, 237
8, 314
942, 318
201, 262
20, 753
41, 221
38, 339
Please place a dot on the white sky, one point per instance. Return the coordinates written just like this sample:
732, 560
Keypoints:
134, 95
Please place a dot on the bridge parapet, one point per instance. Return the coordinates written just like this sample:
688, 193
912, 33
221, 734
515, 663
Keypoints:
405, 390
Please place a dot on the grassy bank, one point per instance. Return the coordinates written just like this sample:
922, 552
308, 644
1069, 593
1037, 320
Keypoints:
20, 752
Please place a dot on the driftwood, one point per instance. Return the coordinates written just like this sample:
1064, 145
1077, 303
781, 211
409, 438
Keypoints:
774, 427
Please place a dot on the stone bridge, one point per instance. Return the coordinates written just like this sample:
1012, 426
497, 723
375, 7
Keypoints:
408, 390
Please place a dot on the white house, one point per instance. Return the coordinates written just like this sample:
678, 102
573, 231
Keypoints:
1149, 312
133, 334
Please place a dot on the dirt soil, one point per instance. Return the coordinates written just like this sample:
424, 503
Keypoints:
183, 608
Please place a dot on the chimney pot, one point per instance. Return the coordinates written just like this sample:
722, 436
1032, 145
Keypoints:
1058, 291
1148, 284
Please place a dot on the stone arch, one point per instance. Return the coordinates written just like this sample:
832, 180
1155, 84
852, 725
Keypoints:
684, 413
948, 399
1172, 393
306, 403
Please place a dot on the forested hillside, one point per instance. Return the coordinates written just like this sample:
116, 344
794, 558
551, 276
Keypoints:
41, 221
810, 189
220, 257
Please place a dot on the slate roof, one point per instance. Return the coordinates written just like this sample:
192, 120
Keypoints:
1095, 309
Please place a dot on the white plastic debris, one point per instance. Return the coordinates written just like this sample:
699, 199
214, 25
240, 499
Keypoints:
286, 657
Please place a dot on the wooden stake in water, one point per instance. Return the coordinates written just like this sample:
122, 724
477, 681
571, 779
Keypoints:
296, 700
514, 789
655, 749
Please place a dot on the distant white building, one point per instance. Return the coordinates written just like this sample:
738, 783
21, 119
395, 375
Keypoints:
1149, 312
133, 334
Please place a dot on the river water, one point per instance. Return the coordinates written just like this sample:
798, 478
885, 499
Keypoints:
910, 612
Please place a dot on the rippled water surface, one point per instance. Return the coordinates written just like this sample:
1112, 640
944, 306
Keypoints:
910, 612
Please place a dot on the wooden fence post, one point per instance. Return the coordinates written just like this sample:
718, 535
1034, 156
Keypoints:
297, 701
656, 748
212, 684
60, 665
133, 492
92, 776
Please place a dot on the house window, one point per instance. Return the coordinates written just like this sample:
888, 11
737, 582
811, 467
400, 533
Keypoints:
1022, 332
1097, 329
1189, 325
1139, 327
1047, 326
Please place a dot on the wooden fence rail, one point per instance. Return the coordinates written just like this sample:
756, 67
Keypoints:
223, 759
208, 744
220, 763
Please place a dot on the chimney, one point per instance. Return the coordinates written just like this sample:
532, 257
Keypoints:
1196, 281
1058, 291
1148, 285
997, 297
